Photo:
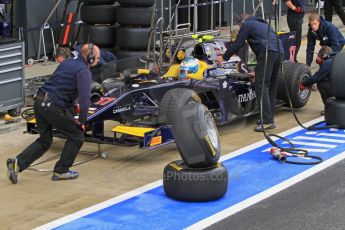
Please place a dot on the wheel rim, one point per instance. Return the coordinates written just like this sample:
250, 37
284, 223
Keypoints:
212, 131
304, 93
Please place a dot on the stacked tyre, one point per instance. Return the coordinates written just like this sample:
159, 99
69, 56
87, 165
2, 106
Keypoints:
99, 23
199, 176
335, 107
134, 18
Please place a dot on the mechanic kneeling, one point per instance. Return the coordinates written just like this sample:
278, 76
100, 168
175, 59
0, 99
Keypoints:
53, 108
325, 59
254, 30
327, 33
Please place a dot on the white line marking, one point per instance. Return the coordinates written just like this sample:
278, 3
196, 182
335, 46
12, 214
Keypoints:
311, 144
311, 133
309, 150
265, 194
331, 135
263, 142
100, 206
319, 139
128, 195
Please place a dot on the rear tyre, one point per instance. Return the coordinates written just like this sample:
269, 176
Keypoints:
294, 74
335, 112
190, 184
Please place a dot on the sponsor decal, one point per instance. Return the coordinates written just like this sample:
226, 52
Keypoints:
156, 141
120, 109
247, 96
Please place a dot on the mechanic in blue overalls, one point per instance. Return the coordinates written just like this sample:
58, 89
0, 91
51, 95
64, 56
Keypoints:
325, 59
53, 108
254, 30
295, 15
325, 32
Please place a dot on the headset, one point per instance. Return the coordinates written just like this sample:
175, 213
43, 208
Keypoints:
240, 20
90, 58
323, 54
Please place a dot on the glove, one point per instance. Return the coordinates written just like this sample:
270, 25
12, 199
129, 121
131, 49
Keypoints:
76, 109
301, 86
80, 126
298, 9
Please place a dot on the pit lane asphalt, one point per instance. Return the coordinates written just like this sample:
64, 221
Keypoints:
316, 203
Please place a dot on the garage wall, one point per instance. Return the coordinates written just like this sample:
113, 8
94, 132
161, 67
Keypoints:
30, 15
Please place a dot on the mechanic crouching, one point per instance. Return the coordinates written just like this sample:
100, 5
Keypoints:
325, 59
254, 30
325, 32
53, 106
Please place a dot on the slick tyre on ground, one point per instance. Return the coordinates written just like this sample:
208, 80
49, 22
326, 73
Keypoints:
136, 2
335, 112
196, 135
190, 184
172, 101
294, 74
337, 76
132, 38
134, 16
98, 14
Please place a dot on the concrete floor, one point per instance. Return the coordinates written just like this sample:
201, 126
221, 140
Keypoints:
36, 200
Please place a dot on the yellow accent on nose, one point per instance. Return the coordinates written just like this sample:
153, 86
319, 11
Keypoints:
134, 131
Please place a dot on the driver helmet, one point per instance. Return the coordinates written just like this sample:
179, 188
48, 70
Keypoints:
189, 65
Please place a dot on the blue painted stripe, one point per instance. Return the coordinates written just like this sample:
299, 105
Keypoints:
250, 173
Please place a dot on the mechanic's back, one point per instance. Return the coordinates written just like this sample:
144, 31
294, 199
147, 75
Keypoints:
254, 30
62, 85
53, 104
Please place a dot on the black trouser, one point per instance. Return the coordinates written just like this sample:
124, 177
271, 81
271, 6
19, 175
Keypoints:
338, 7
295, 24
270, 89
324, 88
63, 121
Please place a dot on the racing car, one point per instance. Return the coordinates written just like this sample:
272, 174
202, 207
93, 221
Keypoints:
145, 104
